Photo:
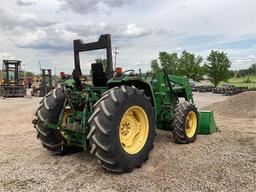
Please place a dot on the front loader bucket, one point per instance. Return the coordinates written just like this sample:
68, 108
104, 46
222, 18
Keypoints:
207, 124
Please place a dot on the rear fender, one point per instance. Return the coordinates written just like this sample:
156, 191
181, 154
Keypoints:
139, 84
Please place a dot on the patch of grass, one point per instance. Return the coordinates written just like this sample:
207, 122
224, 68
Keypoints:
242, 79
248, 81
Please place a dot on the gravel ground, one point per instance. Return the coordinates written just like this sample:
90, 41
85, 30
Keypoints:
224, 161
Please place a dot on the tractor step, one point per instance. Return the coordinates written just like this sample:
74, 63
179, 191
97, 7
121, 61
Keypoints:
207, 124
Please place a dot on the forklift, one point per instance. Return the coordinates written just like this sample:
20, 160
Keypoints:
11, 85
41, 86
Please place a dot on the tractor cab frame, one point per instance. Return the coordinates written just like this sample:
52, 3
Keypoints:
99, 76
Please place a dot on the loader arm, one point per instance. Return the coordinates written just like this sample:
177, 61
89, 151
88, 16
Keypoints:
182, 87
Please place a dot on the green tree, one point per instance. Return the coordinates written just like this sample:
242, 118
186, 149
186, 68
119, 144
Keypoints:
103, 61
218, 67
253, 69
190, 66
249, 71
169, 62
187, 65
155, 66
232, 73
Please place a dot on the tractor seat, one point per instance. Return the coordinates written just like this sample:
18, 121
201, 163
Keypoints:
99, 78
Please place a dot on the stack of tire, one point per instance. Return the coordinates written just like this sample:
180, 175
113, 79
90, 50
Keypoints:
229, 90
204, 88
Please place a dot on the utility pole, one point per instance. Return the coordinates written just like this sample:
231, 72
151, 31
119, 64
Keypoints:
24, 73
115, 53
40, 67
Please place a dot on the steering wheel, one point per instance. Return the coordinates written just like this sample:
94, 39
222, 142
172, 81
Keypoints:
150, 74
132, 71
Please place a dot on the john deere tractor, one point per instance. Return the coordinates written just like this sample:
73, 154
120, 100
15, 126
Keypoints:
115, 117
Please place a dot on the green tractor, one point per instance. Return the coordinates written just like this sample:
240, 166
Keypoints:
116, 115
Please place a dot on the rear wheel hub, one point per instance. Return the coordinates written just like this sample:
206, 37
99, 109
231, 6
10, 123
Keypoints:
133, 131
191, 124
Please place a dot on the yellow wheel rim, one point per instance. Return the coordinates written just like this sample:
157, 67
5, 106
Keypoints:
191, 124
67, 112
133, 130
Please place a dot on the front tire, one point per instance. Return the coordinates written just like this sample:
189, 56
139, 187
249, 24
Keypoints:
122, 129
185, 123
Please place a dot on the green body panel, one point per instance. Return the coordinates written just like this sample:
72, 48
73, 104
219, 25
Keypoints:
164, 90
166, 101
69, 82
81, 102
207, 124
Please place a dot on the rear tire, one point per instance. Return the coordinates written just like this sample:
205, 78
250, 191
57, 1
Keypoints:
50, 109
106, 129
182, 131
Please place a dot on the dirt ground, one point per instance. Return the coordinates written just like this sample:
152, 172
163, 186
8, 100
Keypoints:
224, 161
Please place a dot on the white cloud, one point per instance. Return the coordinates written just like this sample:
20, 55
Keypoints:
252, 57
119, 32
7, 56
139, 28
11, 21
90, 6
242, 63
49, 39
134, 30
179, 49
24, 3
32, 36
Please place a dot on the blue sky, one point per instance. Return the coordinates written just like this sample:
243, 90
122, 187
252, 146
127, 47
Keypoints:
33, 30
